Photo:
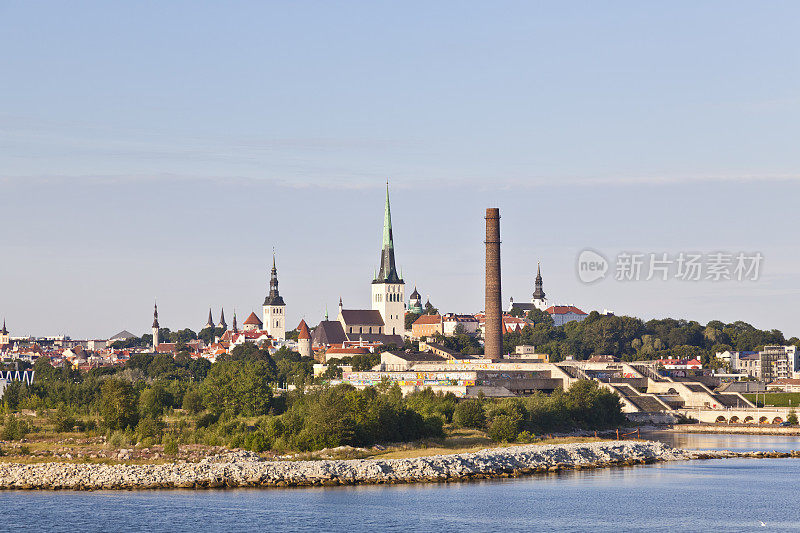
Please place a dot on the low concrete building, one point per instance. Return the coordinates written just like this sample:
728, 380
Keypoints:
398, 361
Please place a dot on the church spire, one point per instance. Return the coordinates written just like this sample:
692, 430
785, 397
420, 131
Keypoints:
538, 293
4, 331
235, 327
388, 270
222, 322
155, 316
274, 297
210, 321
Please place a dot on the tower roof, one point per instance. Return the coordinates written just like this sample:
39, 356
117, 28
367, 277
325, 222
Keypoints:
303, 331
4, 331
155, 316
388, 270
415, 295
253, 320
538, 293
222, 322
210, 321
274, 297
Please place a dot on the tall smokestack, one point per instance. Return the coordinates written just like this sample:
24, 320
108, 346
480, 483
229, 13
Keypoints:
493, 331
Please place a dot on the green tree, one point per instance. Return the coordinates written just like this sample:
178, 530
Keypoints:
192, 402
411, 318
470, 414
239, 387
153, 401
118, 404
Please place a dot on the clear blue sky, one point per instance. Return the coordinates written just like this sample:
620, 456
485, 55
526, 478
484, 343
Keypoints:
161, 149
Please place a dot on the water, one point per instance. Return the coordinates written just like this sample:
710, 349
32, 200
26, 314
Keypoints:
718, 495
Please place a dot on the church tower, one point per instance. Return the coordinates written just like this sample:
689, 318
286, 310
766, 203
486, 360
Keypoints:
4, 338
387, 288
155, 327
539, 301
274, 308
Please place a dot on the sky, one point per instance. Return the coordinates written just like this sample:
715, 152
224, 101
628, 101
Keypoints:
162, 150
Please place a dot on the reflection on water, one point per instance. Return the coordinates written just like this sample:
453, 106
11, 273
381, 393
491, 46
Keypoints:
717, 441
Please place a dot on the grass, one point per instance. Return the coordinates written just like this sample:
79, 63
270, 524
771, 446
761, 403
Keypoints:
776, 399
464, 441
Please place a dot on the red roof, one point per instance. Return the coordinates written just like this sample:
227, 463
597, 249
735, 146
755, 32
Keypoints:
564, 310
428, 319
348, 350
304, 334
253, 320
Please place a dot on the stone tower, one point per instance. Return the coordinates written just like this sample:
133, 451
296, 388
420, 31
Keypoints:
274, 308
493, 329
387, 287
304, 340
155, 328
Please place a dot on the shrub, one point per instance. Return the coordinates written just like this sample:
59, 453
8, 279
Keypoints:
792, 418
150, 428
14, 428
192, 402
170, 445
470, 414
62, 420
503, 428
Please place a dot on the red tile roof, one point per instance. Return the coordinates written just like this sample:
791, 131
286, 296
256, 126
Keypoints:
428, 319
253, 320
564, 310
303, 334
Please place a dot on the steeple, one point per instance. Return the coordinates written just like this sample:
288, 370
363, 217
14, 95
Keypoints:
156, 340
273, 298
222, 322
4, 331
538, 293
388, 270
235, 327
210, 321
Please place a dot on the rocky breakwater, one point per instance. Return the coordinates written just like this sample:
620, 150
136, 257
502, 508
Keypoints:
244, 469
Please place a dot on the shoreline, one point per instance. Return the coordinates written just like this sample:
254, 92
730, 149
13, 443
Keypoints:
247, 470
725, 429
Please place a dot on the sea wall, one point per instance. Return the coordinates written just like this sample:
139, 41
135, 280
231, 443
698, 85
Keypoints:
244, 469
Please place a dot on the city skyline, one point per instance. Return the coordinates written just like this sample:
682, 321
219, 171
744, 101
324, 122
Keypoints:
143, 159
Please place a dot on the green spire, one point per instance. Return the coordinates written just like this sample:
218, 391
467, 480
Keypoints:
388, 241
387, 272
